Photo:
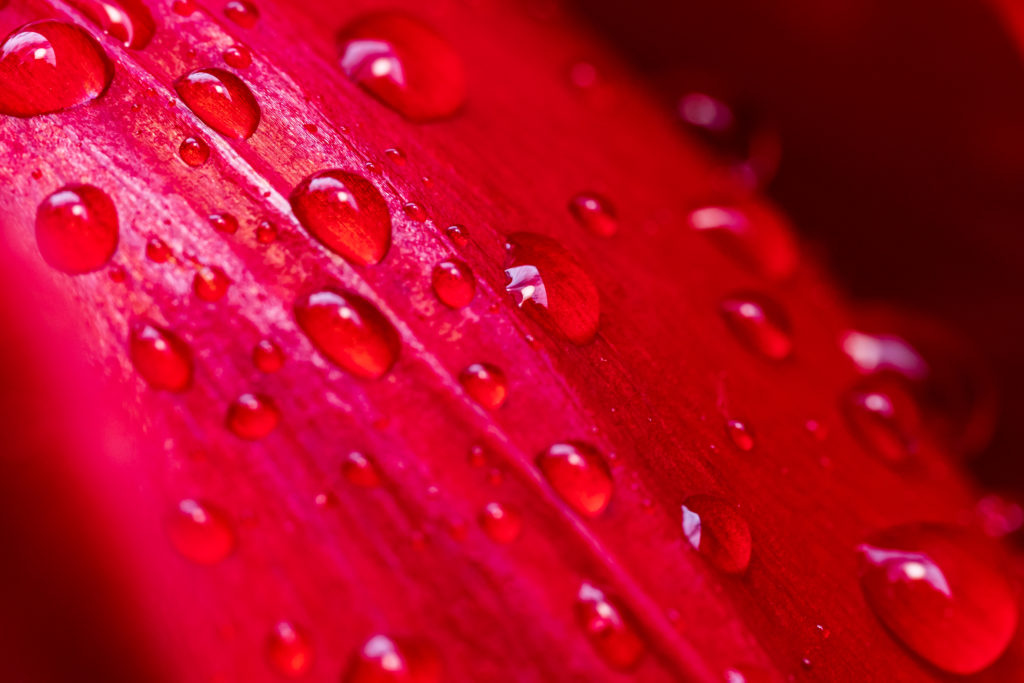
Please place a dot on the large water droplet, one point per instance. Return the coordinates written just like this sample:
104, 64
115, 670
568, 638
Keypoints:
755, 234
502, 523
404, 64
346, 213
595, 213
384, 659
760, 324
579, 474
454, 283
76, 229
126, 20
608, 631
201, 532
160, 356
349, 330
50, 65
546, 281
253, 416
941, 592
289, 650
717, 531
884, 418
486, 383
222, 100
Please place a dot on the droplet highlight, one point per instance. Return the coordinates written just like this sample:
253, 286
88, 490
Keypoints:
222, 100
128, 21
161, 358
201, 532
386, 659
252, 417
210, 283
267, 356
718, 531
760, 324
502, 523
486, 384
754, 234
454, 283
358, 469
77, 229
595, 213
579, 474
194, 151
289, 649
612, 636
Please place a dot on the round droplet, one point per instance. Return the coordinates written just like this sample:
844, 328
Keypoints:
76, 229
760, 324
404, 64
266, 232
160, 357
358, 469
501, 523
210, 283
252, 417
884, 418
740, 434
243, 13
579, 474
350, 331
289, 650
548, 283
717, 531
346, 213
458, 235
224, 222
238, 57
454, 283
395, 155
383, 659
942, 593
267, 356
609, 632
755, 234
201, 532
486, 384
194, 151
414, 211
47, 66
157, 250
595, 213
222, 100
128, 21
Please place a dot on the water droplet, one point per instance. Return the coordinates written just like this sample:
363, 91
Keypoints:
252, 417
160, 356
224, 222
486, 384
289, 650
395, 155
579, 474
760, 324
458, 235
501, 523
183, 8
194, 151
608, 631
47, 66
346, 213
884, 418
243, 13
717, 531
157, 250
740, 434
222, 100
117, 273
350, 331
76, 229
238, 57
266, 232
595, 213
383, 659
454, 283
126, 20
267, 356
210, 283
414, 211
941, 592
547, 282
754, 234
358, 469
404, 64
201, 532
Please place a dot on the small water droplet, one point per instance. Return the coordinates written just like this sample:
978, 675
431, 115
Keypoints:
607, 629
349, 330
210, 283
458, 235
717, 531
77, 229
47, 66
267, 356
162, 359
941, 592
222, 100
754, 234
224, 222
502, 523
579, 474
266, 232
384, 659
243, 13
346, 213
289, 650
157, 250
454, 283
404, 64
183, 8
760, 324
486, 384
395, 156
238, 57
201, 532
884, 418
740, 434
128, 21
546, 281
414, 211
358, 469
194, 151
252, 416
595, 213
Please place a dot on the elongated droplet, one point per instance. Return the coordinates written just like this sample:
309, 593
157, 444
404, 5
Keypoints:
242, 12
222, 100
346, 213
454, 283
77, 229
755, 234
942, 593
740, 435
717, 531
128, 21
384, 659
404, 64
253, 416
289, 650
47, 66
595, 213
201, 532
349, 331
607, 629
579, 474
359, 469
547, 282
486, 383
160, 356
502, 523
884, 418
760, 324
